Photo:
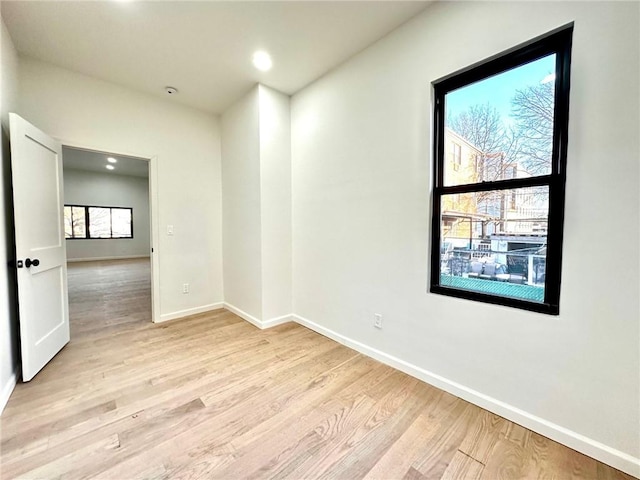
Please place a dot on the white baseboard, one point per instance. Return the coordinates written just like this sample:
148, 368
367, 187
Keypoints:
96, 259
261, 324
7, 390
272, 322
190, 311
617, 459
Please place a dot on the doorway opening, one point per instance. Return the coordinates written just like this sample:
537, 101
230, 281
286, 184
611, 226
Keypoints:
109, 204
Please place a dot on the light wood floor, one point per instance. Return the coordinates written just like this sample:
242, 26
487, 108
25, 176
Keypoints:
214, 397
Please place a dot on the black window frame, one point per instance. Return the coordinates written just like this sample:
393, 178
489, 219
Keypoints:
557, 42
87, 222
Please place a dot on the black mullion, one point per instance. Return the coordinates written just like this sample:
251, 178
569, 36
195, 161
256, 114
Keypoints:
496, 67
73, 233
512, 58
557, 194
561, 99
131, 221
563, 89
497, 185
439, 126
438, 175
86, 222
557, 112
554, 243
495, 299
435, 239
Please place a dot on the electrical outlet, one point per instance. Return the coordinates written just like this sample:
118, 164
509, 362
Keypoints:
185, 288
377, 320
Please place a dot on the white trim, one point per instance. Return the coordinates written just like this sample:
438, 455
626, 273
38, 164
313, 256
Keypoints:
261, 324
244, 315
95, 259
154, 212
272, 322
617, 459
154, 220
103, 149
190, 311
7, 390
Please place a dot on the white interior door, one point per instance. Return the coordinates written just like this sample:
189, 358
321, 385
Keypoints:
36, 162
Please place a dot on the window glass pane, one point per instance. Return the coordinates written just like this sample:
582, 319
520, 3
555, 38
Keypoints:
494, 242
501, 127
68, 229
79, 230
99, 222
121, 221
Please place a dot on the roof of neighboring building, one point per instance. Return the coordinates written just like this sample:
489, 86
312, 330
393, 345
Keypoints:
464, 140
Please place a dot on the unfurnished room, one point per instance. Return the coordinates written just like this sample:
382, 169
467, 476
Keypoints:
320, 239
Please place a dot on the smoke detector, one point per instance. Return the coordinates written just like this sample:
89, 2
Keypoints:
171, 90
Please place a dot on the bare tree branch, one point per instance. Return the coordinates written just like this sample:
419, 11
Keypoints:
532, 110
527, 144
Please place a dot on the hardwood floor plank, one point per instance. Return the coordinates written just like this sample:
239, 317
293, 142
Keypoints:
507, 461
413, 474
442, 445
546, 459
212, 396
342, 422
85, 455
482, 435
26, 436
401, 455
605, 472
462, 466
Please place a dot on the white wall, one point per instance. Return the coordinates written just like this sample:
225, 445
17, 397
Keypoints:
256, 173
98, 115
275, 188
361, 210
110, 190
241, 199
8, 313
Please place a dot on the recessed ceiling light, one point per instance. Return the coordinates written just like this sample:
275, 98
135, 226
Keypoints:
110, 167
262, 61
171, 90
112, 160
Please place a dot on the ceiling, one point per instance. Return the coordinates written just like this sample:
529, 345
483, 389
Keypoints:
202, 48
91, 161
